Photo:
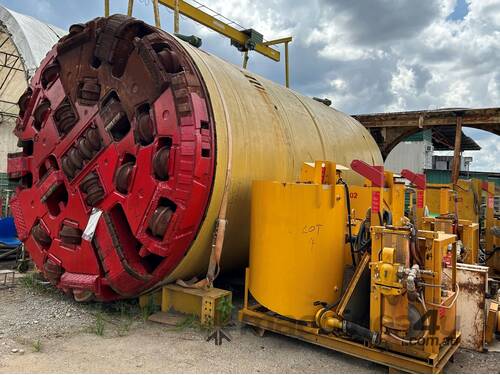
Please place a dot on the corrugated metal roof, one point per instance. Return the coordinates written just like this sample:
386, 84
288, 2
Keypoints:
443, 139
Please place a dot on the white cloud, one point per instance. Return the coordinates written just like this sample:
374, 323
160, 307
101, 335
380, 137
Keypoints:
367, 56
390, 56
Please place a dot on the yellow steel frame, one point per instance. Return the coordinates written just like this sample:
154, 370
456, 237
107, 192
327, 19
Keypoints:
469, 234
259, 317
439, 199
222, 28
489, 220
436, 245
201, 303
419, 211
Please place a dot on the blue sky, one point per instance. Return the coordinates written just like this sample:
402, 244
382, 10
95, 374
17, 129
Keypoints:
365, 55
460, 11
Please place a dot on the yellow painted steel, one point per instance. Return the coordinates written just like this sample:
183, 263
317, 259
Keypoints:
428, 355
489, 217
494, 259
388, 307
264, 131
202, 303
468, 232
464, 200
467, 199
215, 24
296, 248
393, 201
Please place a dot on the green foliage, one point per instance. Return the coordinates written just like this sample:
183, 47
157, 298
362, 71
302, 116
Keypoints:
190, 321
225, 309
98, 327
124, 326
32, 281
149, 309
37, 346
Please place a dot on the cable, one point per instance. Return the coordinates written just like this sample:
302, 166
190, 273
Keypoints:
414, 341
348, 204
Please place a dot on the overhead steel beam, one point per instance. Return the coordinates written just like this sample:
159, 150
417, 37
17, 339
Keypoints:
389, 129
488, 117
217, 25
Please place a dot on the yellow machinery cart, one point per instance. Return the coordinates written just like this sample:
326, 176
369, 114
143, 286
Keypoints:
397, 307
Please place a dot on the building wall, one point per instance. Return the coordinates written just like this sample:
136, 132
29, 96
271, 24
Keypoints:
415, 156
445, 162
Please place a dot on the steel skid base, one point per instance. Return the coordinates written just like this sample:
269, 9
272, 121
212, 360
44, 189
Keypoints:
264, 320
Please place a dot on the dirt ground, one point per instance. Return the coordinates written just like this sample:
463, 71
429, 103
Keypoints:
44, 331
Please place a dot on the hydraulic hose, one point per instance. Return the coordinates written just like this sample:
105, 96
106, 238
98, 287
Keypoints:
348, 204
363, 240
360, 332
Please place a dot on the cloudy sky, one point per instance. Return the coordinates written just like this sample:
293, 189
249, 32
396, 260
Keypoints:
365, 55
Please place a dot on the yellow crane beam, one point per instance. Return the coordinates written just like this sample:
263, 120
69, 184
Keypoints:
217, 25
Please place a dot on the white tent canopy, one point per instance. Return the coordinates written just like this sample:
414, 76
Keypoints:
24, 42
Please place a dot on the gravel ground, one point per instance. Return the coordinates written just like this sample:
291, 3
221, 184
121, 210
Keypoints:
44, 331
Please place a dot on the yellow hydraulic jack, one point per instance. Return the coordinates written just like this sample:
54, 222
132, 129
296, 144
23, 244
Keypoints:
295, 275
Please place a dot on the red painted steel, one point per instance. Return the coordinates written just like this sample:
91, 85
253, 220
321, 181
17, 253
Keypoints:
116, 117
418, 179
373, 173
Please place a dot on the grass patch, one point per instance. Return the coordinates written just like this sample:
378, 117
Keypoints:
124, 326
190, 321
98, 327
33, 282
37, 346
149, 309
225, 309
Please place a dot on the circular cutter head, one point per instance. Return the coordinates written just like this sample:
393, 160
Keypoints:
116, 118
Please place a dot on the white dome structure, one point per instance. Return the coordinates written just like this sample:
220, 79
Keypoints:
24, 42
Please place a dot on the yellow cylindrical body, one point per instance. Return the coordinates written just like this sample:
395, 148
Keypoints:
296, 246
264, 131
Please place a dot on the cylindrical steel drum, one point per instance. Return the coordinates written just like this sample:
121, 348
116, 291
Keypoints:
125, 118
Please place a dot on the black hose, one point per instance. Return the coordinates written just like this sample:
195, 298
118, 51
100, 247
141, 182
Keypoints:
360, 332
489, 254
363, 239
387, 217
348, 204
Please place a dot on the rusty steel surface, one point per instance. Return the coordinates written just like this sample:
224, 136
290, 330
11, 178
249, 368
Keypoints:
126, 118
472, 281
